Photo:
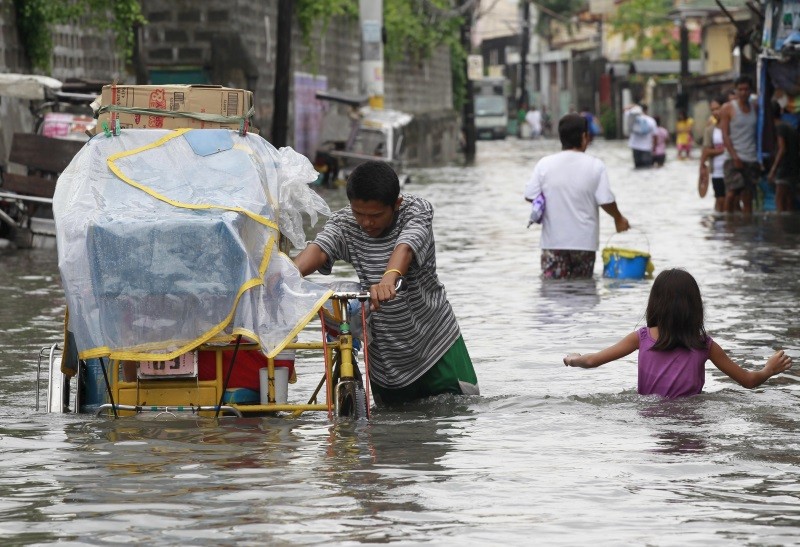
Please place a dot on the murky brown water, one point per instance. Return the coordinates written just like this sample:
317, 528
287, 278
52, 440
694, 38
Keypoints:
546, 455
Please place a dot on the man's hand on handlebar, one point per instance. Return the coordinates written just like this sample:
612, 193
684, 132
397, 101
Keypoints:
386, 289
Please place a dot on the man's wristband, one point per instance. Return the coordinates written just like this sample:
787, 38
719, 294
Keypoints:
393, 270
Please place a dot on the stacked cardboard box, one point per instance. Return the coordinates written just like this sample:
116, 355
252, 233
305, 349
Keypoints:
193, 106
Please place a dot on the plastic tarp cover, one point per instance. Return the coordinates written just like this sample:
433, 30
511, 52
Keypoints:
169, 239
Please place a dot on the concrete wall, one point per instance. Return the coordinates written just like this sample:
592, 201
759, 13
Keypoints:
78, 52
82, 52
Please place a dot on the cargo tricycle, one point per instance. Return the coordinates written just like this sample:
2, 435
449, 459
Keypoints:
181, 297
374, 134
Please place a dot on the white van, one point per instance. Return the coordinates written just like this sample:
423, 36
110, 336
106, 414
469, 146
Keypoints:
491, 116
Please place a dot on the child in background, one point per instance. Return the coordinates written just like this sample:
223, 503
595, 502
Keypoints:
660, 140
713, 150
674, 346
683, 135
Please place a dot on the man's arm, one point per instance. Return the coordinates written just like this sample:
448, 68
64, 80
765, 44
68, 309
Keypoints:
397, 266
310, 259
709, 153
778, 157
620, 222
709, 150
534, 185
725, 126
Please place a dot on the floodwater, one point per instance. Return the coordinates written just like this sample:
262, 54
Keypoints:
546, 455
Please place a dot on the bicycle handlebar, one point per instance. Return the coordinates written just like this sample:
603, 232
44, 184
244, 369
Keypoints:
399, 286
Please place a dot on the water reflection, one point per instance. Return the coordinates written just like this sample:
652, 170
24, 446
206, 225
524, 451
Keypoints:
573, 295
677, 425
381, 464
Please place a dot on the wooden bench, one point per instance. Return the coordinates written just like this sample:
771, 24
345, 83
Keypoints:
44, 157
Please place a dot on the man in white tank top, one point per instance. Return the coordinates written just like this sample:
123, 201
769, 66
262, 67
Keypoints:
742, 170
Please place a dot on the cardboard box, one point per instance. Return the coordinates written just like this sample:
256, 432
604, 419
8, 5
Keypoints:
176, 101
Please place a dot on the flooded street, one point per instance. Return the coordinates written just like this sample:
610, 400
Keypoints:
547, 454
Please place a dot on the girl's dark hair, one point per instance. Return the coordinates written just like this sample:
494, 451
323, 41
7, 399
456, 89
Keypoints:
571, 129
675, 307
373, 181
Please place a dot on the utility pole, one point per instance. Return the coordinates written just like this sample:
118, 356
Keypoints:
280, 114
683, 93
370, 15
468, 110
684, 53
523, 58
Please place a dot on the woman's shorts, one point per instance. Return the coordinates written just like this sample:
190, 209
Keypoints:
719, 187
567, 264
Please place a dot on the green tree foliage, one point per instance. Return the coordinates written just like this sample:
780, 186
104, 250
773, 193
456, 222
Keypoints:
648, 23
608, 119
414, 29
554, 10
311, 12
36, 17
458, 73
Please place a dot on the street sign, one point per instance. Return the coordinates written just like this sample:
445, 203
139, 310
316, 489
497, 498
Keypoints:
475, 67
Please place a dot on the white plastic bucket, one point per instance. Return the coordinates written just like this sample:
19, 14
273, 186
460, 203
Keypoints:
281, 385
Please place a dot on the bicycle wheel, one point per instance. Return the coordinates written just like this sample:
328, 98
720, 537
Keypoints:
351, 400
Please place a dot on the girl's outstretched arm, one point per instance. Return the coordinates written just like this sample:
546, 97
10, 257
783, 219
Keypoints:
624, 347
779, 362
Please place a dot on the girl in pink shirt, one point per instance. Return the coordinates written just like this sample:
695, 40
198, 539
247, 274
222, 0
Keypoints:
674, 346
660, 140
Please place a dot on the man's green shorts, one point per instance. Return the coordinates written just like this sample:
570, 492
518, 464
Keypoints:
453, 373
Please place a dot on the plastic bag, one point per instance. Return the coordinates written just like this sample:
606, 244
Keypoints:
295, 196
537, 210
640, 125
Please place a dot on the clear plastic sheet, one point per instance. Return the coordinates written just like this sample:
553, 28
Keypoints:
296, 198
169, 239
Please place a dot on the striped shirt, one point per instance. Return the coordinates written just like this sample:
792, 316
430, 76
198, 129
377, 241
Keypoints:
410, 333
